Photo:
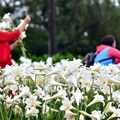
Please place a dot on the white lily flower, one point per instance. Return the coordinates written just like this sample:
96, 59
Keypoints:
54, 83
105, 89
7, 16
32, 101
103, 80
17, 109
31, 112
54, 71
72, 80
2, 97
7, 70
78, 95
25, 91
66, 105
86, 82
9, 100
108, 108
70, 115
17, 72
49, 61
97, 98
116, 114
4, 26
112, 69
39, 80
87, 114
9, 81
23, 35
13, 88
95, 67
114, 81
39, 92
81, 117
25, 60
116, 96
97, 114
60, 94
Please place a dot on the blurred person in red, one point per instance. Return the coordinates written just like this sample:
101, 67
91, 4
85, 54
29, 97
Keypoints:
5, 40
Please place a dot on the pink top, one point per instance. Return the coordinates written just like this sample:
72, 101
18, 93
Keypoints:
112, 52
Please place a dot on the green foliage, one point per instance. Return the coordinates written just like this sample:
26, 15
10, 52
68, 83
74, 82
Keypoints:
56, 58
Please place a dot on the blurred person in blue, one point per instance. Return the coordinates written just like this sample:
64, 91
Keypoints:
106, 51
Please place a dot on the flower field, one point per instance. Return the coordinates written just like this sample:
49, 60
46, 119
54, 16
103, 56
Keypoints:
65, 90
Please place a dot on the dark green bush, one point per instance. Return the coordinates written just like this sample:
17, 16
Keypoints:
56, 58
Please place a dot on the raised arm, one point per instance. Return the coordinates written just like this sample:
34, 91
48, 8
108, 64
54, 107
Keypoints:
21, 26
9, 36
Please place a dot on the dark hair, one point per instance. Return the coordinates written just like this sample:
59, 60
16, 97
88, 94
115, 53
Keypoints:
108, 40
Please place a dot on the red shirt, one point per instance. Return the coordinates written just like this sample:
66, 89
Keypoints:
5, 39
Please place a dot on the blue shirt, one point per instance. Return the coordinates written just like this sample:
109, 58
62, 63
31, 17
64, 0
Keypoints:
103, 58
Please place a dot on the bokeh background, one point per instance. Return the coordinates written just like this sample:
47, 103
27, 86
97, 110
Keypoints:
64, 26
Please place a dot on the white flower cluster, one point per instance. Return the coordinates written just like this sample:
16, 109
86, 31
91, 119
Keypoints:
65, 89
6, 24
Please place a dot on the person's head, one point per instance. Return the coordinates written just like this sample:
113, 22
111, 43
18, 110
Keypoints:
108, 40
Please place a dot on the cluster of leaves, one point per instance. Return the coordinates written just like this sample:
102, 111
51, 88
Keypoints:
56, 58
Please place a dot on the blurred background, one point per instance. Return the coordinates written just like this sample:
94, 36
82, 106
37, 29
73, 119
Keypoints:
64, 26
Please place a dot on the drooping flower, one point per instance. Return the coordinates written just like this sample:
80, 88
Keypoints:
54, 83
116, 114
70, 115
97, 98
72, 80
25, 91
87, 114
61, 94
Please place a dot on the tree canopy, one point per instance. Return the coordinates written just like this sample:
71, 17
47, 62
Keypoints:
79, 24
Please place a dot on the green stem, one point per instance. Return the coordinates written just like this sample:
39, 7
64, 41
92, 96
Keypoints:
23, 49
1, 114
110, 94
78, 111
11, 112
85, 109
